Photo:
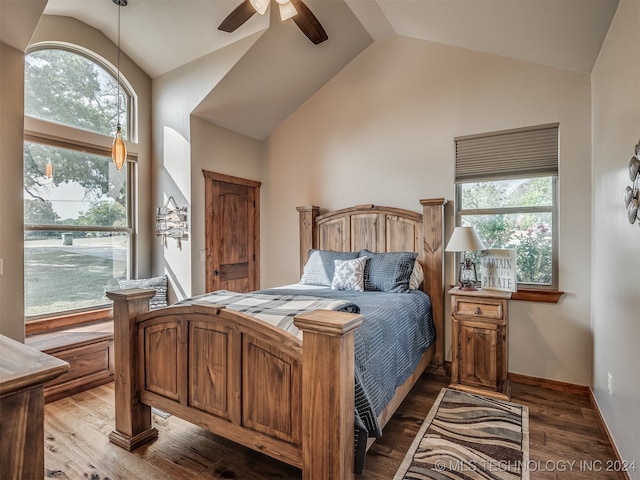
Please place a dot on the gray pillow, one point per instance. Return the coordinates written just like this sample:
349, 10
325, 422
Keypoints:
159, 284
320, 266
388, 272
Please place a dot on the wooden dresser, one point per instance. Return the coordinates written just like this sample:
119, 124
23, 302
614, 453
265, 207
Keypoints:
23, 373
480, 342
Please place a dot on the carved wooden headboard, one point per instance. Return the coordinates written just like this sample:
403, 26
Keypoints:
385, 229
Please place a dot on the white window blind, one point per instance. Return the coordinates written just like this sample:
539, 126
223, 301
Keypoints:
522, 152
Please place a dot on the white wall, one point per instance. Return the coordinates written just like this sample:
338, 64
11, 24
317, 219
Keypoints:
616, 243
219, 150
11, 214
382, 132
180, 155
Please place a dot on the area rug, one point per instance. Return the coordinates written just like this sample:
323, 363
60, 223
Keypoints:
467, 436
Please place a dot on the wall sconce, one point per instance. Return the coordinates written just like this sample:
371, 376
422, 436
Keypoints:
465, 239
171, 221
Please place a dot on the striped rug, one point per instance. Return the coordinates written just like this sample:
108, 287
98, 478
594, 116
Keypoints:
469, 437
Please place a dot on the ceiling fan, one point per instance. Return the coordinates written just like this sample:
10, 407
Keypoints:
295, 9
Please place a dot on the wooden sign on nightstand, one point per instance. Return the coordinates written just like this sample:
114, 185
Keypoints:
479, 330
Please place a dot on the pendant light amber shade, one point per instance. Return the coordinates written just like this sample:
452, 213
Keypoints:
118, 149
48, 170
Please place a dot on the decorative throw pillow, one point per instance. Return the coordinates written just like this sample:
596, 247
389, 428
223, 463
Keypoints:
349, 274
320, 266
388, 272
159, 284
417, 276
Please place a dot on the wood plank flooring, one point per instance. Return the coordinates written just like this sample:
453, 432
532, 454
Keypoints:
563, 429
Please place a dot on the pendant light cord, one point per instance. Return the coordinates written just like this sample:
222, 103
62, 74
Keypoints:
118, 127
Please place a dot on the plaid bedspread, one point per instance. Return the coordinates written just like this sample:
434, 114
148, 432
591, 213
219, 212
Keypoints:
276, 310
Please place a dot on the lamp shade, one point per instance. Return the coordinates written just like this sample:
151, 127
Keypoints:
464, 239
287, 9
260, 5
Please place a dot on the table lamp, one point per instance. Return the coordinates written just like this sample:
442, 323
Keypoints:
465, 239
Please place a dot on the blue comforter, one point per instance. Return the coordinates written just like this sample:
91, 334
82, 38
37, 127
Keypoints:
397, 329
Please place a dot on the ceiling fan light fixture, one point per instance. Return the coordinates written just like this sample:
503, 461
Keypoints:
294, 9
287, 10
260, 5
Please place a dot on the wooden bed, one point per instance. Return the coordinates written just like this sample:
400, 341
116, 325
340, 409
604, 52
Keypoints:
255, 384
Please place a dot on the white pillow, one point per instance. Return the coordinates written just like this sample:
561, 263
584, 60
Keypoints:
349, 274
417, 276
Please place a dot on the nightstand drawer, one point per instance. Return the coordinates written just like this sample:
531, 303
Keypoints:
464, 306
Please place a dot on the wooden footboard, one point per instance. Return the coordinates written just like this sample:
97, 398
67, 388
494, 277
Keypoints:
240, 378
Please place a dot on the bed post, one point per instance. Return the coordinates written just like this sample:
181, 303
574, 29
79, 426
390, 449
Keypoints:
328, 394
133, 419
433, 284
308, 232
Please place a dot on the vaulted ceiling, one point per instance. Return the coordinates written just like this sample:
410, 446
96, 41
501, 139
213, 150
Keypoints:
284, 68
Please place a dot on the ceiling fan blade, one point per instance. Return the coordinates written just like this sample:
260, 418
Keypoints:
308, 23
237, 17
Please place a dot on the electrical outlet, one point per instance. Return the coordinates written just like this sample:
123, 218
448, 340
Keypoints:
1, 266
610, 383
202, 255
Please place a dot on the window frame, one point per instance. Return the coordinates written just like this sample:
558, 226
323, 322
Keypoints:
37, 130
518, 153
553, 209
131, 132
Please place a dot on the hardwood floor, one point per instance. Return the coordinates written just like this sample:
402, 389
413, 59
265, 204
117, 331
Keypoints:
563, 428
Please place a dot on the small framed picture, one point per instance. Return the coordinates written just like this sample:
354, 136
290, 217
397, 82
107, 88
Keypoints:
498, 269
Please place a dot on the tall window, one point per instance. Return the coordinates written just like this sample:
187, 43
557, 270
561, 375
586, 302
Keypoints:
506, 186
78, 220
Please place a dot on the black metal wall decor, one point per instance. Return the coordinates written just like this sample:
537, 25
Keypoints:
632, 193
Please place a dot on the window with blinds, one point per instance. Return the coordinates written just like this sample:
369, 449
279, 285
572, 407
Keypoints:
515, 153
506, 185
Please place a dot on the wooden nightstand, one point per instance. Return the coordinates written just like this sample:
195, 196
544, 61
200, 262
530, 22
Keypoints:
479, 321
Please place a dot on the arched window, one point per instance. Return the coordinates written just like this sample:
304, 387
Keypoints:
69, 88
78, 216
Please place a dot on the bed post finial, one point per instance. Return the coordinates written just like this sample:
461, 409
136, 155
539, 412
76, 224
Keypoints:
308, 231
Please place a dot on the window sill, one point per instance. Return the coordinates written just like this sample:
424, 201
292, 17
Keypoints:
537, 295
64, 321
534, 295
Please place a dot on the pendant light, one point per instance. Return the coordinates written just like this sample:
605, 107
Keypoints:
119, 149
48, 170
